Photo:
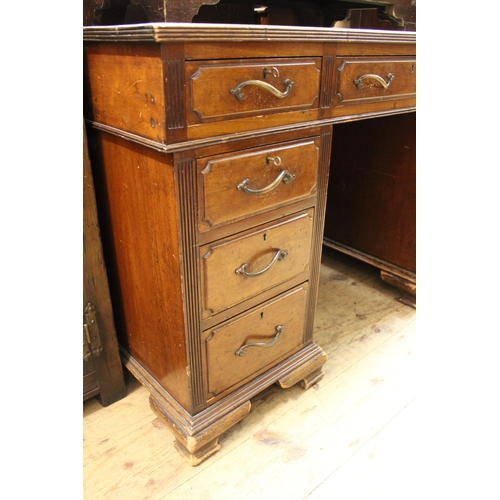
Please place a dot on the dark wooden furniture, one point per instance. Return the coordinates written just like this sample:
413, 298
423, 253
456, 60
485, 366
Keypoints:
102, 368
371, 205
383, 14
394, 230
211, 151
371, 209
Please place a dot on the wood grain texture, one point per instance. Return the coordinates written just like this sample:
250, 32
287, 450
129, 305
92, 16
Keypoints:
403, 84
358, 421
318, 230
99, 12
124, 88
187, 221
372, 190
199, 51
221, 203
227, 369
198, 447
210, 85
172, 55
252, 123
223, 287
398, 14
178, 255
165, 96
359, 60
407, 288
209, 33
136, 187
172, 11
376, 49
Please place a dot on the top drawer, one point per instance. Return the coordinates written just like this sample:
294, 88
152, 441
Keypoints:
221, 90
375, 79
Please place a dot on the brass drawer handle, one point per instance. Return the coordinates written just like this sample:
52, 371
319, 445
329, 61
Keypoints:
284, 176
379, 79
280, 255
263, 85
241, 351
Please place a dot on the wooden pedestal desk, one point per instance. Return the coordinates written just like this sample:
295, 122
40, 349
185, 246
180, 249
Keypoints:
211, 146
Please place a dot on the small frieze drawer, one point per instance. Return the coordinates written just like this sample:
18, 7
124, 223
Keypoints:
218, 90
237, 185
249, 344
368, 79
241, 266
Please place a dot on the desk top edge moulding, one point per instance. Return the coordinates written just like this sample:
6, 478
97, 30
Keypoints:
204, 32
211, 148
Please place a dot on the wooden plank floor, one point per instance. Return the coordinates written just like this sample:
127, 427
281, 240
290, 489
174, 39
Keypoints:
348, 437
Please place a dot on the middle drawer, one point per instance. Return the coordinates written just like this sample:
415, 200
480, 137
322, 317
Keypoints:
242, 266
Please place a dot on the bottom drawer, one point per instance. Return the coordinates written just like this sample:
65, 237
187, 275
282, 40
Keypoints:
253, 342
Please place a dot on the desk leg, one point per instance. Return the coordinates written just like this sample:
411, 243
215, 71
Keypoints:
198, 447
307, 375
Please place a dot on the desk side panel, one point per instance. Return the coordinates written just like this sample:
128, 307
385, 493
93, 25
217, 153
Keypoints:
138, 202
124, 87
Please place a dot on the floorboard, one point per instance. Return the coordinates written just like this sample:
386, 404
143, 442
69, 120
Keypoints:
349, 436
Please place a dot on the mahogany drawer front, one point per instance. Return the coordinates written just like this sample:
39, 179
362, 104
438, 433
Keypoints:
240, 184
278, 328
375, 79
221, 90
244, 265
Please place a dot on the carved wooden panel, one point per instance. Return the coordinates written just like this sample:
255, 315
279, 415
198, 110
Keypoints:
99, 12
